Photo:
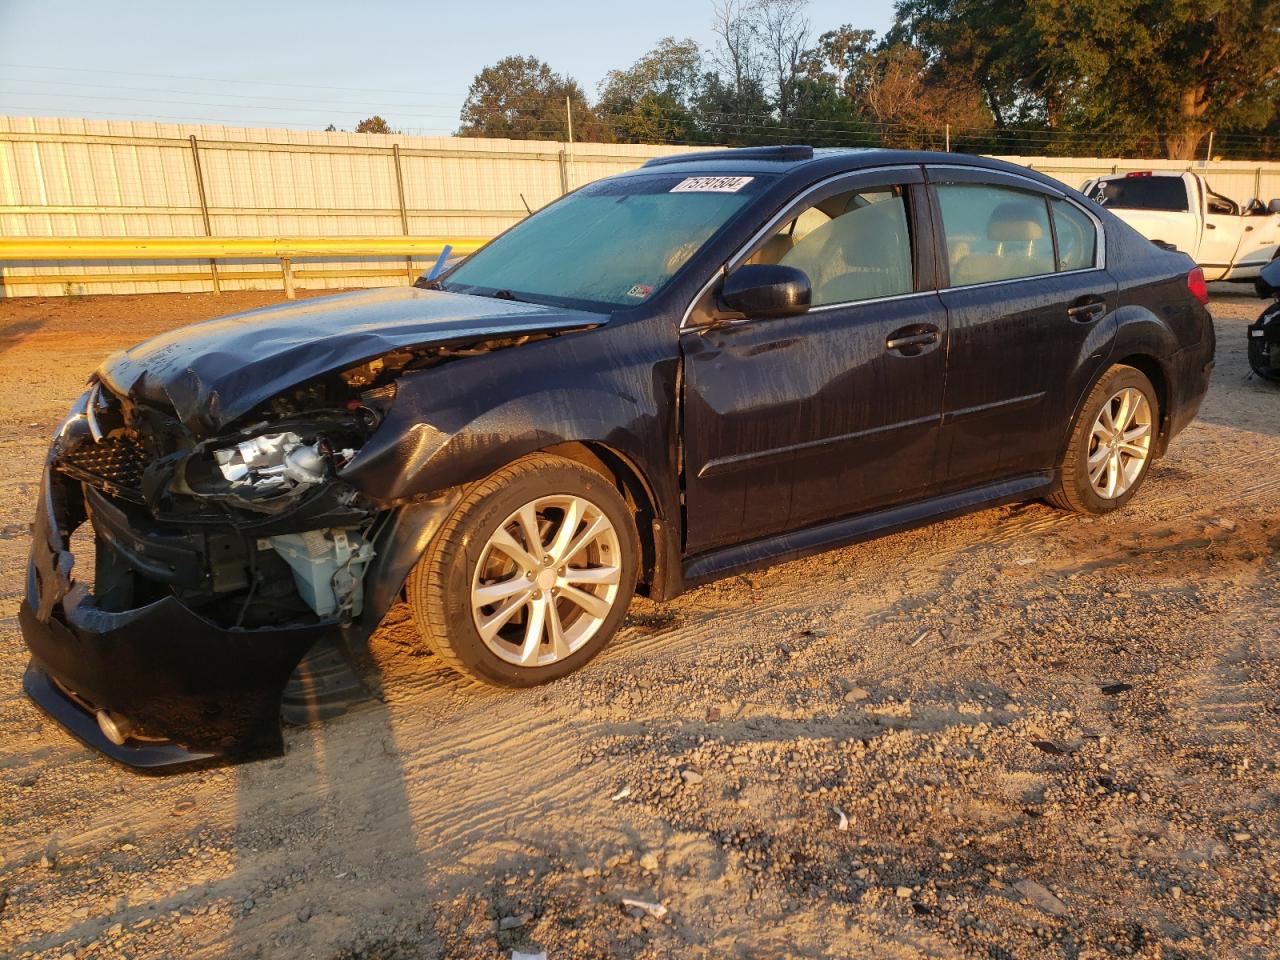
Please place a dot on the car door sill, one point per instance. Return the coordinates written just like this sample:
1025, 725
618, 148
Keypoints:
794, 544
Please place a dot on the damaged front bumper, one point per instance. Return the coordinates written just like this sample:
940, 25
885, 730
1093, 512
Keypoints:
188, 688
177, 687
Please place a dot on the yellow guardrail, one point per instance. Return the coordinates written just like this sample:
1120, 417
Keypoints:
213, 249
227, 248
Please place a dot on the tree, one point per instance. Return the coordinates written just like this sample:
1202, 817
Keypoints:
1172, 69
523, 98
735, 115
374, 124
913, 104
842, 57
736, 57
1182, 67
782, 30
654, 98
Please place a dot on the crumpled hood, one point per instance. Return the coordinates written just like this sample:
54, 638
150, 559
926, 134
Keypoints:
219, 370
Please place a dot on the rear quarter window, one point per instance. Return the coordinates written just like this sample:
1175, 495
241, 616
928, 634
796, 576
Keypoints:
1076, 235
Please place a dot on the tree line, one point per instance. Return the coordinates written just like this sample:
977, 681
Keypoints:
1102, 77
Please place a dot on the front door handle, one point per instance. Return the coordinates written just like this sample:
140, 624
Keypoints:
1088, 311
909, 340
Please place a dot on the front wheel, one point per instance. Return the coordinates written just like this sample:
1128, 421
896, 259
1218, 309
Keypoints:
1111, 444
530, 576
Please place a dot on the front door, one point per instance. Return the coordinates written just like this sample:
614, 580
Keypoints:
792, 421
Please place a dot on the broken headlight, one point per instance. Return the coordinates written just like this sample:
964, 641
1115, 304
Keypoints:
267, 468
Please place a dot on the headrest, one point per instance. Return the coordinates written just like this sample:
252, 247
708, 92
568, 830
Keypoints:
1009, 221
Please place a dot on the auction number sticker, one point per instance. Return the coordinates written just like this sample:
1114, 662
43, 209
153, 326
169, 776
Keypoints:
711, 184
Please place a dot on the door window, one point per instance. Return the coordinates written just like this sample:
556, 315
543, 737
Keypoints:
995, 233
852, 246
1076, 235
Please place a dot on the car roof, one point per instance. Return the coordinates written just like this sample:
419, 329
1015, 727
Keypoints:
816, 162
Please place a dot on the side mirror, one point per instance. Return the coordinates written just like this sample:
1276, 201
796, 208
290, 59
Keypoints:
1273, 206
766, 290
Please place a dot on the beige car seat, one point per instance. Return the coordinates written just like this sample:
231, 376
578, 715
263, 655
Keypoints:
1020, 244
863, 253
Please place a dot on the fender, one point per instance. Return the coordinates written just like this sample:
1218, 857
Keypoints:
1135, 332
456, 424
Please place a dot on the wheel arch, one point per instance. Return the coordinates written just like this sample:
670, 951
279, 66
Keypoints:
653, 530
1149, 366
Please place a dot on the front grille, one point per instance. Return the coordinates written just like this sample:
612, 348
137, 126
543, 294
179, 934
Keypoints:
116, 460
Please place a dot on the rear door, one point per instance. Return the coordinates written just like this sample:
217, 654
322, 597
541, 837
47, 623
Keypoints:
791, 421
1030, 316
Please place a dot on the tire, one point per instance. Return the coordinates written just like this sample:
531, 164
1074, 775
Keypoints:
1260, 352
483, 545
1075, 488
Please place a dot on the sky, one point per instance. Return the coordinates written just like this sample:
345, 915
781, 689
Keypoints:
308, 64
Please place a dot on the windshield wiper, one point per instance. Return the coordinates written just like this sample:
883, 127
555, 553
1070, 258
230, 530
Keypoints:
508, 295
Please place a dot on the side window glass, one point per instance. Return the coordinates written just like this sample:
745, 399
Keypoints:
1076, 235
852, 246
994, 233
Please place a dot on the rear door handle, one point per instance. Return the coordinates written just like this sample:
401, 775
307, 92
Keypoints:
1087, 312
909, 340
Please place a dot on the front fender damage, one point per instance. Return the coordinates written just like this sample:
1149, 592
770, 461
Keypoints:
183, 684
239, 566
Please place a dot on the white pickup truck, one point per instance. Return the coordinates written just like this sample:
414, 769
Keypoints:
1179, 210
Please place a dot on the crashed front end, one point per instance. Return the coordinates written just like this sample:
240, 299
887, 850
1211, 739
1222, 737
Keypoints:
218, 563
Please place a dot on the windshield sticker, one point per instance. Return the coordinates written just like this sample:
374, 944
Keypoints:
711, 184
640, 291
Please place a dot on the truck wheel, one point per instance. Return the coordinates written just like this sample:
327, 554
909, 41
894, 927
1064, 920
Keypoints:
530, 576
1111, 444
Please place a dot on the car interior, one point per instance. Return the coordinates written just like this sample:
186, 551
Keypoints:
853, 246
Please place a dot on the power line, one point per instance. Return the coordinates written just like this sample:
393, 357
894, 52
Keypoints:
256, 83
379, 105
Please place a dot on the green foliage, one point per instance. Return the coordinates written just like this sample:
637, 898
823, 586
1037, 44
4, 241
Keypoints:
1018, 76
1133, 70
523, 98
654, 99
374, 124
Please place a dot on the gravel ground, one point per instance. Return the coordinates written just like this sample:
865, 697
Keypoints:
1017, 734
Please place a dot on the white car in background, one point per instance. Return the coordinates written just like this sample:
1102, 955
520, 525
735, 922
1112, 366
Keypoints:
1180, 210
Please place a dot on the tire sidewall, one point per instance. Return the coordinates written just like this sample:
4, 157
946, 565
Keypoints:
463, 552
1111, 384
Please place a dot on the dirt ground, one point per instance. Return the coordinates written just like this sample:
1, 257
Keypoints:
1017, 734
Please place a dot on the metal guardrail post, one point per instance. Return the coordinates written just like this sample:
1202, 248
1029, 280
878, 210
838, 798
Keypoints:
286, 270
204, 210
404, 213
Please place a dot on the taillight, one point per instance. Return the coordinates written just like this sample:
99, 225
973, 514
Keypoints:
1138, 173
1199, 289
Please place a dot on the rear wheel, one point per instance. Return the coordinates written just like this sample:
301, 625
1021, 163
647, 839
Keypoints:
1111, 444
530, 576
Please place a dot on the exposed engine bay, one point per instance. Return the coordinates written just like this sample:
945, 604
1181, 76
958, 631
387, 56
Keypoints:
253, 527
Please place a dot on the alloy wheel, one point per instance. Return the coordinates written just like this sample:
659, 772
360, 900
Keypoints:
546, 580
1119, 443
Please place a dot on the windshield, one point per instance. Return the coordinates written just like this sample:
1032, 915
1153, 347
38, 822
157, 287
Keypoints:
614, 243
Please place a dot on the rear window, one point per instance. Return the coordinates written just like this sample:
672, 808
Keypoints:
1141, 193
